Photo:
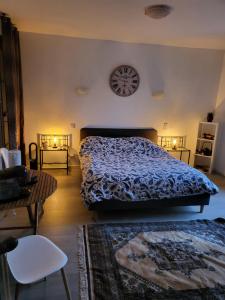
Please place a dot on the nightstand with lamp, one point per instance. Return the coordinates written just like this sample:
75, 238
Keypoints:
174, 144
54, 143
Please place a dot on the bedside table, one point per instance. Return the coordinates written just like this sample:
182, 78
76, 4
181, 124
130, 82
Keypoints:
180, 150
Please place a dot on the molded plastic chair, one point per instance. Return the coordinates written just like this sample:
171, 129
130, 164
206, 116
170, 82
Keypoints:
34, 259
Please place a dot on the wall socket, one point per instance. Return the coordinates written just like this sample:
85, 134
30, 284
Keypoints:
165, 125
73, 125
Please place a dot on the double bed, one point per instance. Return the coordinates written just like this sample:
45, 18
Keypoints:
125, 169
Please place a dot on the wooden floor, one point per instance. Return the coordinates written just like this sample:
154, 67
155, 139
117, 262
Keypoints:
64, 211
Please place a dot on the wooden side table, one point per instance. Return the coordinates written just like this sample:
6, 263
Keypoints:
40, 191
43, 162
181, 151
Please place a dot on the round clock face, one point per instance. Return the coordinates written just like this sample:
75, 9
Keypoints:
124, 81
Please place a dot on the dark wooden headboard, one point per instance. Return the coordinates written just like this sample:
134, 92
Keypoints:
148, 133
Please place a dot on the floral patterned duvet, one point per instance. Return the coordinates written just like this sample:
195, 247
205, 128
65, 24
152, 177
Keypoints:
135, 169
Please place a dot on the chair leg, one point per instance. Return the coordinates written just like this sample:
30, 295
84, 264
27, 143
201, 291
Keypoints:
4, 272
66, 284
17, 289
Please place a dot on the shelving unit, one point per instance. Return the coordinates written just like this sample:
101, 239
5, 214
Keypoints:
205, 146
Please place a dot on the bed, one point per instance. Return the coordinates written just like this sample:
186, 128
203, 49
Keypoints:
125, 169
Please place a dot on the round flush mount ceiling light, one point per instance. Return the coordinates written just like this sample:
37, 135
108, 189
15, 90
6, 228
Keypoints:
158, 11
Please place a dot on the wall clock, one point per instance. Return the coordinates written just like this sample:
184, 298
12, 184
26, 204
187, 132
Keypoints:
124, 81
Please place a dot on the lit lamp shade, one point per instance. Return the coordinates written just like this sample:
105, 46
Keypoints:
174, 143
54, 142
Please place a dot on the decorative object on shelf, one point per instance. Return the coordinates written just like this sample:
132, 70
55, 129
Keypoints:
205, 146
208, 136
124, 80
174, 144
45, 145
54, 142
210, 117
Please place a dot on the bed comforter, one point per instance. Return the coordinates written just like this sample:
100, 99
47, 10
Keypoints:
135, 169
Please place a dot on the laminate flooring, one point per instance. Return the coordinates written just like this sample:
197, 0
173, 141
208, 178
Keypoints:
64, 212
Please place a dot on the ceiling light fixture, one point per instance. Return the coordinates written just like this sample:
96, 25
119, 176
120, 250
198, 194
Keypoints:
158, 11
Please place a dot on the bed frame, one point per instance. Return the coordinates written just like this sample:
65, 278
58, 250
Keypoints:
151, 134
148, 133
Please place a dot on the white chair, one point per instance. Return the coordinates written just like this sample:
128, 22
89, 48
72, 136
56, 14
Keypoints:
34, 259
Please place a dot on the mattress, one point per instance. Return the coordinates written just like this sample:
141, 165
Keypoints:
135, 169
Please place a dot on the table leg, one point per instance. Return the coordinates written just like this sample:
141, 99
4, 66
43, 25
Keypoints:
67, 162
189, 154
40, 160
30, 214
36, 217
181, 152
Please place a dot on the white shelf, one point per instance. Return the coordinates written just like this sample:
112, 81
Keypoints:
202, 161
209, 123
202, 155
206, 140
202, 170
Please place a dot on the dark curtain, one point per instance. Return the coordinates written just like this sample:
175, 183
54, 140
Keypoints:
11, 94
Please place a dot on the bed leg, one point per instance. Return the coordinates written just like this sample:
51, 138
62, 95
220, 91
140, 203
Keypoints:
95, 217
201, 208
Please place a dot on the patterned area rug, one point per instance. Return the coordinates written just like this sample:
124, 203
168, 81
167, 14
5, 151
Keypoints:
166, 260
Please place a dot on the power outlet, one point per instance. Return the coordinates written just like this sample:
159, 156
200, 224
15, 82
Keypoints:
73, 125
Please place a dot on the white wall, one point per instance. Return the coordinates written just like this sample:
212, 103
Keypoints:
220, 117
54, 66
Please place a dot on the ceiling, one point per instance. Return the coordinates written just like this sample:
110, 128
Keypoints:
192, 23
